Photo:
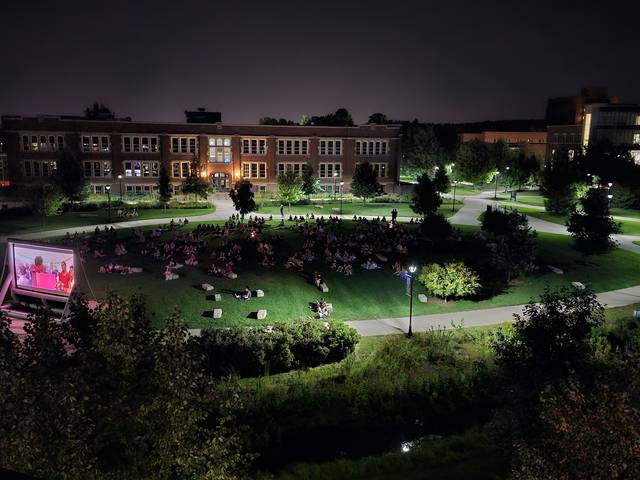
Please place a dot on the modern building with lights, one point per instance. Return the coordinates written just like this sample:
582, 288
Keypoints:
127, 154
592, 116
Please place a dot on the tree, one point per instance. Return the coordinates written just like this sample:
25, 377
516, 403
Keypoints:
592, 228
46, 200
194, 183
587, 429
340, 118
558, 184
512, 244
275, 121
421, 151
425, 200
310, 184
242, 197
130, 401
69, 176
441, 181
364, 183
290, 187
474, 162
164, 187
379, 119
98, 111
453, 279
522, 170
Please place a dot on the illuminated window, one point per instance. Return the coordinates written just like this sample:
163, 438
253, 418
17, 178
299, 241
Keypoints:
587, 129
372, 147
219, 150
95, 143
380, 169
330, 147
42, 142
254, 146
330, 170
293, 146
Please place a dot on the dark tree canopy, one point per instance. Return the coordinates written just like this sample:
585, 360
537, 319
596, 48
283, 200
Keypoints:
379, 119
364, 183
340, 118
558, 184
421, 150
98, 111
473, 162
242, 197
164, 187
310, 184
441, 181
276, 121
592, 227
194, 183
69, 176
425, 200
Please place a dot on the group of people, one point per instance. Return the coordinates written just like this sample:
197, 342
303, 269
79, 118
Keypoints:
127, 212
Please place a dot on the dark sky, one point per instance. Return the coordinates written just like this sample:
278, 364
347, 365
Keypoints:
445, 61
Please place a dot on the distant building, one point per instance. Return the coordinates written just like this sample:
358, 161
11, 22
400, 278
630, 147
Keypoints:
530, 143
202, 116
108, 149
575, 122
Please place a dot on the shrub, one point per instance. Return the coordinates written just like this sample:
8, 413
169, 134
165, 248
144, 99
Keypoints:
250, 352
436, 227
453, 279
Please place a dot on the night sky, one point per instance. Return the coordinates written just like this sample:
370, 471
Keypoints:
444, 61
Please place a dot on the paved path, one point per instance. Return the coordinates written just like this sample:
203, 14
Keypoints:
473, 207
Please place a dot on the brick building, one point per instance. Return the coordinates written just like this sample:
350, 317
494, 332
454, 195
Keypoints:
127, 154
529, 142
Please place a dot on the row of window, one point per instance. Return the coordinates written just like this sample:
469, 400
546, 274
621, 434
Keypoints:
4, 167
97, 169
39, 168
219, 147
42, 143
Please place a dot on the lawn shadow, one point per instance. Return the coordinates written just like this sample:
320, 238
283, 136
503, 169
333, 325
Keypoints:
253, 315
208, 314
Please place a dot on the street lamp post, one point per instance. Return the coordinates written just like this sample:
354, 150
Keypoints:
120, 179
495, 192
412, 270
455, 183
335, 177
341, 185
609, 195
108, 189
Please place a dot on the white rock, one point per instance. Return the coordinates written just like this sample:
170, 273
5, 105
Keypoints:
217, 313
262, 314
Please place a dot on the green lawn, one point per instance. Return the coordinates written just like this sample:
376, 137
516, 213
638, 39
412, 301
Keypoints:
365, 295
525, 198
354, 208
34, 223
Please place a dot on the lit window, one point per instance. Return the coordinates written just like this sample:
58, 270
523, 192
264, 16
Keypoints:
219, 150
329, 170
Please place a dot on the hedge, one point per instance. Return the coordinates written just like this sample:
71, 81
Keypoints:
256, 351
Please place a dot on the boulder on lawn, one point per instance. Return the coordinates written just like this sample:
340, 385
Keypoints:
232, 275
422, 298
259, 293
578, 285
207, 287
555, 270
324, 288
217, 297
262, 314
217, 313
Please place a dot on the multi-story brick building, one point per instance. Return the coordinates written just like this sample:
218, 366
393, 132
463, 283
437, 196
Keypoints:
529, 142
127, 154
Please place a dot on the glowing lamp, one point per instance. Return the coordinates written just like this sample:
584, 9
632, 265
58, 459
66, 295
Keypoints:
412, 268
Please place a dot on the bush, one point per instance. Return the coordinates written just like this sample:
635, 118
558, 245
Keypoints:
391, 198
453, 279
251, 352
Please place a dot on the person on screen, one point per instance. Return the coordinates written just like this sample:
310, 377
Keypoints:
38, 265
65, 278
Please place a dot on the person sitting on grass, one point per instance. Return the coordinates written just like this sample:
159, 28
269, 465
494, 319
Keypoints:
317, 280
370, 264
322, 308
245, 295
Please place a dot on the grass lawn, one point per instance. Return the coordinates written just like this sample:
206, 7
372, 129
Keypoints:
354, 208
467, 190
34, 223
365, 295
525, 198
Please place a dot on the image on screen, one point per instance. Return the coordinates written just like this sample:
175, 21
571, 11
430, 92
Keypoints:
48, 270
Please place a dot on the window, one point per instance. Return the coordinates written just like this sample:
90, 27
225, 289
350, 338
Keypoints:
141, 188
297, 168
372, 147
96, 143
330, 170
98, 189
143, 144
39, 168
328, 188
180, 169
254, 146
137, 168
39, 142
262, 188
254, 170
293, 147
380, 169
330, 147
97, 168
184, 144
219, 150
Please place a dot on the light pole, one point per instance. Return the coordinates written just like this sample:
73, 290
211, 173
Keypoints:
335, 177
609, 195
108, 189
412, 270
509, 185
455, 183
341, 185
495, 192
120, 179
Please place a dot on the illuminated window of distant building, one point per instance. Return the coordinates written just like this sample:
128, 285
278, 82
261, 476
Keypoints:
254, 146
220, 149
